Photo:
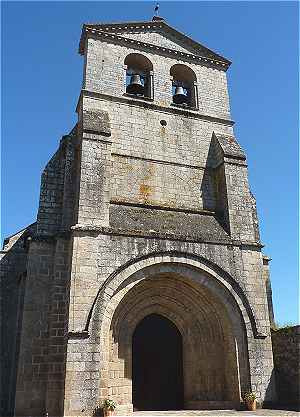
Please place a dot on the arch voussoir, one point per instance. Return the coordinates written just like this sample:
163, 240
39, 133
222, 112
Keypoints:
167, 262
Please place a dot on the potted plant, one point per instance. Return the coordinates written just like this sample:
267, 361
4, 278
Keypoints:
250, 400
109, 407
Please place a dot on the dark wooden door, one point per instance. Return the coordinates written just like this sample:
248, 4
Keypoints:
157, 374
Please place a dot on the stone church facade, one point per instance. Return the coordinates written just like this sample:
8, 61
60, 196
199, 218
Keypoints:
146, 244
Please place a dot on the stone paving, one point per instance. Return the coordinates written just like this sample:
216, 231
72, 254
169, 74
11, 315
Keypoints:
216, 413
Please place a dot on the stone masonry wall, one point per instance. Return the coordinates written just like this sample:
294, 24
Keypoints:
151, 164
13, 278
58, 187
136, 131
32, 367
159, 184
286, 350
43, 339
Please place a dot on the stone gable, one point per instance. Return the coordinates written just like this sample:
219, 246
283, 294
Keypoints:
157, 33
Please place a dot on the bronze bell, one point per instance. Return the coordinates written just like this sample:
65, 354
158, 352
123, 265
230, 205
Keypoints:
179, 97
135, 86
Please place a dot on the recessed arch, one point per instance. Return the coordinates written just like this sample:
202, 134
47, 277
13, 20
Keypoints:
184, 73
206, 328
139, 75
184, 85
135, 270
225, 322
138, 62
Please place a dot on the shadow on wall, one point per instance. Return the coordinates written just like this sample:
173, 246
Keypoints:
13, 265
270, 393
286, 352
213, 188
208, 191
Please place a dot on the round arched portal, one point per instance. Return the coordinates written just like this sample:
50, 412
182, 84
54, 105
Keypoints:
214, 354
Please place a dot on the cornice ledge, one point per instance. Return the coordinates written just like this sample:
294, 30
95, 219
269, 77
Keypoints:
145, 104
92, 135
243, 244
164, 236
110, 37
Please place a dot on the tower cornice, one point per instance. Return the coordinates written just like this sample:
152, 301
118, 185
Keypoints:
150, 105
210, 59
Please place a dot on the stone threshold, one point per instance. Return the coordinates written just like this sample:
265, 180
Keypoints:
216, 413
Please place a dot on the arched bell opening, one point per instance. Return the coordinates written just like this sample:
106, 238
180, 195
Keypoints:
213, 344
184, 86
139, 76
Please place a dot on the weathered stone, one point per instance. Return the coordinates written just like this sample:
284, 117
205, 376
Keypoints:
96, 121
144, 209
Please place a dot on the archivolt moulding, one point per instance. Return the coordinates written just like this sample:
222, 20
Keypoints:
139, 269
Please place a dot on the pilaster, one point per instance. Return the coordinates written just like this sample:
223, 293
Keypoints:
95, 156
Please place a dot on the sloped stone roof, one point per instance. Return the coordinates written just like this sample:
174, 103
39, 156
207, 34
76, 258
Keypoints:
229, 146
190, 226
16, 241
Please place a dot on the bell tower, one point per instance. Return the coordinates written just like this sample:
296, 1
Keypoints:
146, 227
162, 174
141, 81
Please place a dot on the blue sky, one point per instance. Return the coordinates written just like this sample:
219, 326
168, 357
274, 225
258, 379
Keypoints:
41, 79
